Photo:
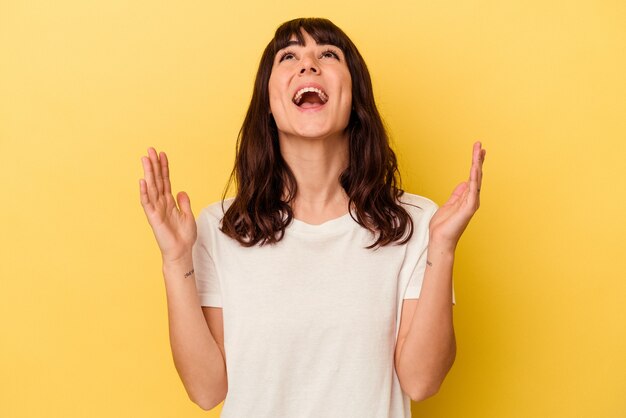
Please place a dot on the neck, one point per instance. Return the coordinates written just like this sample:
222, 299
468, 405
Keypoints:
316, 164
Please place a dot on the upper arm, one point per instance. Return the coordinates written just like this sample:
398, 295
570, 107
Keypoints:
215, 321
406, 317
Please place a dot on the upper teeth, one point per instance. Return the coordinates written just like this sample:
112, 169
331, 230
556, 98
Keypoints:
299, 93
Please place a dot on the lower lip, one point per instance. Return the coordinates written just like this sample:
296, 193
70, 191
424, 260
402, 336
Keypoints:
310, 109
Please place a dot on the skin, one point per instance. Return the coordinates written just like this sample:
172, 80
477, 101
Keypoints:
315, 147
313, 143
448, 224
426, 344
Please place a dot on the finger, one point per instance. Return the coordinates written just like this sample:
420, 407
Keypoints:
473, 198
143, 193
476, 152
473, 180
480, 170
165, 171
156, 168
184, 203
483, 152
457, 193
149, 176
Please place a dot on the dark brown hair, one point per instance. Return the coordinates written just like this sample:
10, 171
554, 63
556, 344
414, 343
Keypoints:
266, 184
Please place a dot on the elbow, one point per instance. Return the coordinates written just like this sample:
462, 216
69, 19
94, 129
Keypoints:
421, 386
205, 404
426, 388
209, 402
420, 390
423, 393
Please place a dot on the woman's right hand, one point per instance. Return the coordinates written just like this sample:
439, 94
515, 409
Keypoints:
173, 228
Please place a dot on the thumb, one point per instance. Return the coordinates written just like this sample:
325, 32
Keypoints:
457, 193
184, 203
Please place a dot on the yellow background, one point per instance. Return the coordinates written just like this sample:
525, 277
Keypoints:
87, 86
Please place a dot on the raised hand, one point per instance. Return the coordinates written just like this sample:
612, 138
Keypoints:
173, 228
449, 222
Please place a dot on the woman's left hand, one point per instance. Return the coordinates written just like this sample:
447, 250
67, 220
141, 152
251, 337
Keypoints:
451, 219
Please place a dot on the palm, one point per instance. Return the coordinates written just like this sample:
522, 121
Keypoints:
449, 222
174, 228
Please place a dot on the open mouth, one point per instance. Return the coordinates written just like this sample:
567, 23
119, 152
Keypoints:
308, 97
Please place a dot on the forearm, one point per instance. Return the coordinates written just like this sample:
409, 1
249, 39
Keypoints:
197, 356
429, 349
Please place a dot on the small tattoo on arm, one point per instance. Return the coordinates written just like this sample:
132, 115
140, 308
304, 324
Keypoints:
429, 263
189, 273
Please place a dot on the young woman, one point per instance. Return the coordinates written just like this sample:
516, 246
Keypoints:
321, 289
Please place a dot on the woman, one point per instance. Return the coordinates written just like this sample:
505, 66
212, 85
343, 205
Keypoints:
299, 296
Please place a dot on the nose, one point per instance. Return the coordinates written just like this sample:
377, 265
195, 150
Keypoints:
309, 64
305, 68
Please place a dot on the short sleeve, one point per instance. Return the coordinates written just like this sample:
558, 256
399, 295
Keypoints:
416, 279
207, 280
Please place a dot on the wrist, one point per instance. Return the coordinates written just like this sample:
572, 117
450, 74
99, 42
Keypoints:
181, 262
439, 258
177, 254
441, 247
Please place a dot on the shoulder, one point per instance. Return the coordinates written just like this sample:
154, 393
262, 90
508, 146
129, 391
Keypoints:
209, 220
421, 210
419, 207
215, 211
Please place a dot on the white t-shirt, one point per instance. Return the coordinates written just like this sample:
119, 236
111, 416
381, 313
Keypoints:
310, 324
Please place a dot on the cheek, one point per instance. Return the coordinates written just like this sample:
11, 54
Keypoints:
271, 87
348, 90
275, 92
275, 105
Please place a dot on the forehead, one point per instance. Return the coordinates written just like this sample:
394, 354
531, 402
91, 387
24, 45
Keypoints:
307, 42
304, 38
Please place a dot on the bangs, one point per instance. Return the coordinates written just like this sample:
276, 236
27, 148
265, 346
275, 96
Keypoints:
323, 31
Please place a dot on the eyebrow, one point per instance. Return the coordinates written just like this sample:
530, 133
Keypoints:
296, 42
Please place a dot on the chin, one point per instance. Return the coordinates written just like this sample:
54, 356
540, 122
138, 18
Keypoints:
313, 133
313, 130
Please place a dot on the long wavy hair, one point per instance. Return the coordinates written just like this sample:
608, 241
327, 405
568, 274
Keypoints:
261, 209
